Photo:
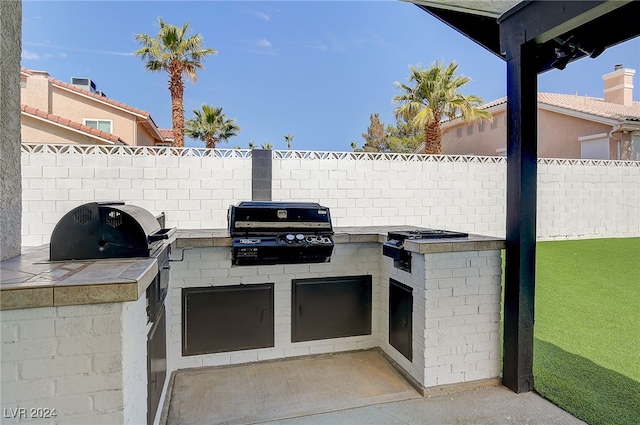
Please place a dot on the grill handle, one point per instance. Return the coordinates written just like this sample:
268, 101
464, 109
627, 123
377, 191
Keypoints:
162, 234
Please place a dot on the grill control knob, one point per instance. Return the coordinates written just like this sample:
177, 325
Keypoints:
290, 238
300, 237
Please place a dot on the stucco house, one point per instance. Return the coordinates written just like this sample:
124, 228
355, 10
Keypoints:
53, 111
569, 126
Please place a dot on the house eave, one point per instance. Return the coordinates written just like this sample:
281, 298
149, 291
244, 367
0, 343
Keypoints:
71, 129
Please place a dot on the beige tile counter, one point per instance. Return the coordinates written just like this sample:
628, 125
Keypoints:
31, 280
220, 237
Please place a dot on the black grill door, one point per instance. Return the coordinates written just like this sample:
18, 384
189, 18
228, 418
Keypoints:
400, 317
227, 318
330, 307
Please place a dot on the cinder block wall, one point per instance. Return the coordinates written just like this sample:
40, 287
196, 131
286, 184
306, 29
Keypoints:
576, 199
85, 362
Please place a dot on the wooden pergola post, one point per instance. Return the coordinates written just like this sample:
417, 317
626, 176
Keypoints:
520, 264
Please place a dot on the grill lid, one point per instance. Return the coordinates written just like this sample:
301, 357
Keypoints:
252, 217
100, 230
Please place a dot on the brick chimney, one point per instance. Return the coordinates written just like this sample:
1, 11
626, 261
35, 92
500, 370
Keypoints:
618, 85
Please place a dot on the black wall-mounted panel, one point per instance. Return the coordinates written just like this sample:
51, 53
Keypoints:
227, 318
400, 318
332, 307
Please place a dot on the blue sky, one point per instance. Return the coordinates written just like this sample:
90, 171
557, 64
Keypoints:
315, 70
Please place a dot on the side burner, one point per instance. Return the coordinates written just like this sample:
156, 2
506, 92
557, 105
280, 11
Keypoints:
394, 247
425, 234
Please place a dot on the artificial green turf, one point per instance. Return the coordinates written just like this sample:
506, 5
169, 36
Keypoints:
587, 328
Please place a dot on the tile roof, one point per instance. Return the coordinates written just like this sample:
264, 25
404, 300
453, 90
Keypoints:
583, 104
56, 119
166, 133
592, 105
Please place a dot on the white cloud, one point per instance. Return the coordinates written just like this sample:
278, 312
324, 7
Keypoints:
258, 14
27, 55
263, 43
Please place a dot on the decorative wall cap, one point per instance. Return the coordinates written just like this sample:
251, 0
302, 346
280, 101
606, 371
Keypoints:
73, 149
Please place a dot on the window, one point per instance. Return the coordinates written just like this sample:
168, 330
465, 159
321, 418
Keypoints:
494, 124
480, 126
469, 130
595, 146
458, 133
104, 125
635, 147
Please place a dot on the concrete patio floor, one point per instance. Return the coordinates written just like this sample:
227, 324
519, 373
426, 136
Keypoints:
345, 388
495, 405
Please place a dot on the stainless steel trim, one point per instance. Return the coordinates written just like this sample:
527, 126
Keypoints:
281, 225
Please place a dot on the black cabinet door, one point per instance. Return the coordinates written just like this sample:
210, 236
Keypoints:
227, 318
400, 317
156, 364
334, 307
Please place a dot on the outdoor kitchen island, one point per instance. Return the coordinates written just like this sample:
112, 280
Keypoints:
87, 358
441, 327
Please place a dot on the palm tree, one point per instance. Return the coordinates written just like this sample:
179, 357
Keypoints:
288, 138
252, 145
266, 146
172, 51
211, 126
434, 97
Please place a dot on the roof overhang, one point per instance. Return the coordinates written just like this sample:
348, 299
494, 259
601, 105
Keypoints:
476, 20
561, 31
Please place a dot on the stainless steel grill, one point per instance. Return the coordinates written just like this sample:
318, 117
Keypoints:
280, 233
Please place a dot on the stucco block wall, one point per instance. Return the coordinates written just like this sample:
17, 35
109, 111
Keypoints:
204, 267
194, 187
485, 142
84, 361
10, 182
558, 135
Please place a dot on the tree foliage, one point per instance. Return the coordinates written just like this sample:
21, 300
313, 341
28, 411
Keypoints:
211, 125
433, 95
376, 136
288, 138
171, 50
404, 137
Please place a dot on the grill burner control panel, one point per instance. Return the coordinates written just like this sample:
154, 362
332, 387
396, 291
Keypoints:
283, 248
301, 239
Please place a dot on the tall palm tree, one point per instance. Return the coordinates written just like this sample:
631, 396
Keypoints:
288, 138
435, 96
211, 126
172, 51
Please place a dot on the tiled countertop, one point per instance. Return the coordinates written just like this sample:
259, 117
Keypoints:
30, 280
220, 237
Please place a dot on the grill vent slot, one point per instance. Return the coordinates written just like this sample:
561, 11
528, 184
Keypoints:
82, 215
114, 219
